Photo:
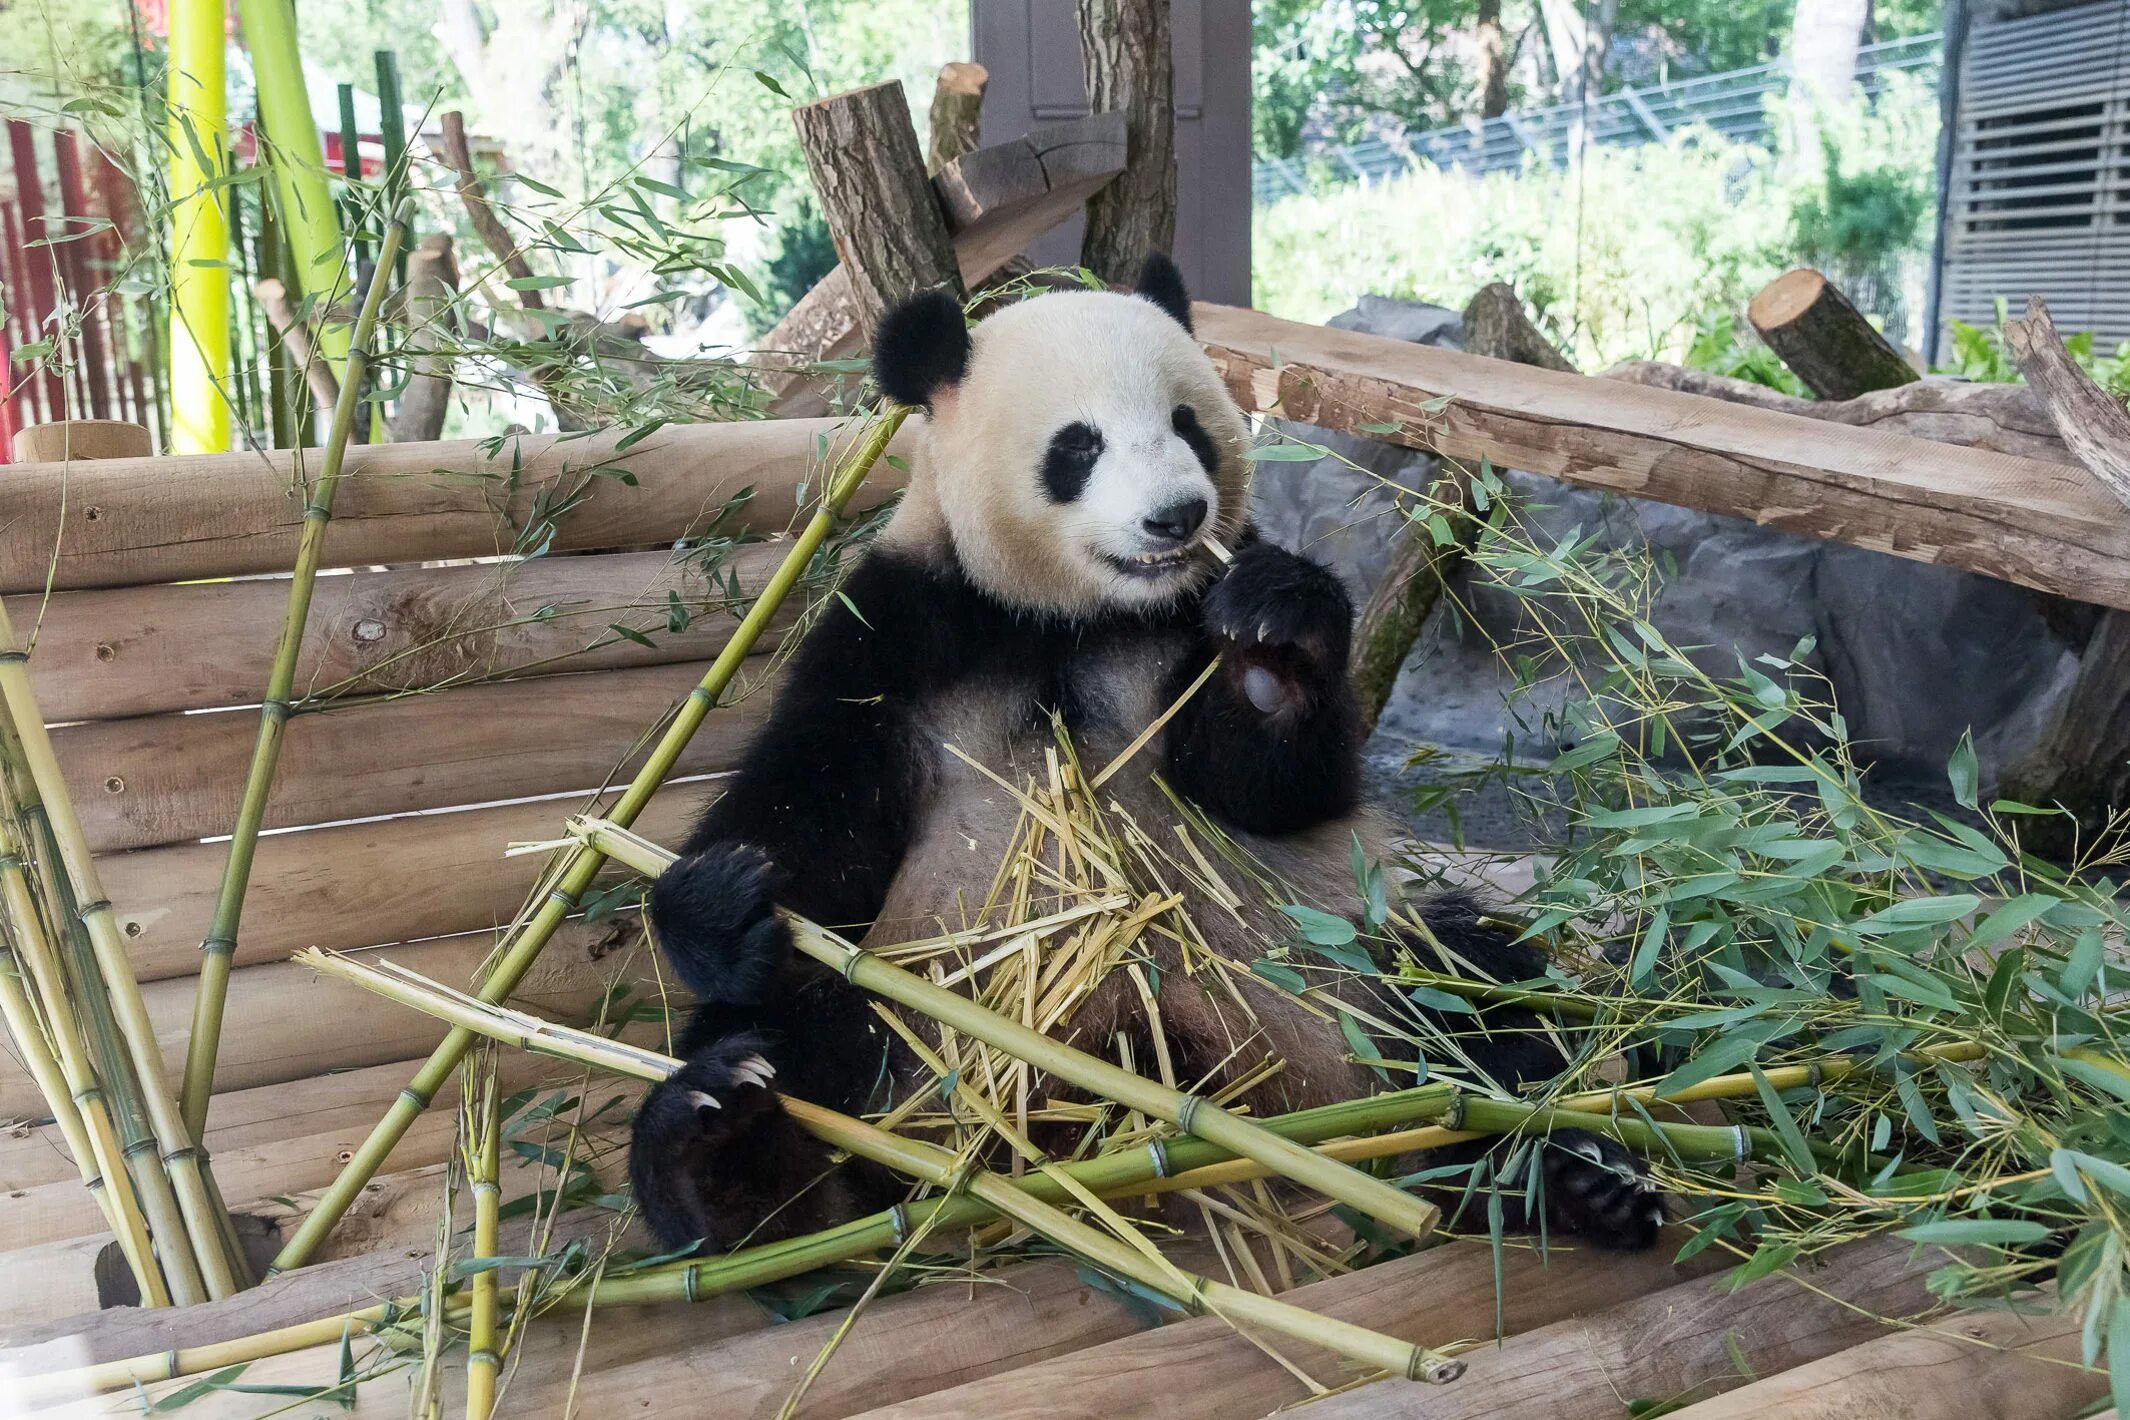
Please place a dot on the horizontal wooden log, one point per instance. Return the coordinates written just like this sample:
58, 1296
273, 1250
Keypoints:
128, 522
1984, 1363
1432, 1297
114, 652
1688, 1340
353, 885
176, 778
285, 1022
2041, 525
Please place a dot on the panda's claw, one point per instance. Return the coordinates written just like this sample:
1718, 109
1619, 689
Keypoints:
1272, 597
1600, 1192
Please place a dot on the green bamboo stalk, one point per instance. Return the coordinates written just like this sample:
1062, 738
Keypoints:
218, 951
181, 1159
1198, 1295
1191, 1113
484, 1162
581, 864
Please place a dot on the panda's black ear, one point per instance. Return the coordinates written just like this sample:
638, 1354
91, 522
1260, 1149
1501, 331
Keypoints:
1161, 283
922, 346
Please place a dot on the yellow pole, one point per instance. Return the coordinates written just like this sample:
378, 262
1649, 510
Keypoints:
199, 230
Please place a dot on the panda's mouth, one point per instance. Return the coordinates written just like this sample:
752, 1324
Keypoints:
1151, 566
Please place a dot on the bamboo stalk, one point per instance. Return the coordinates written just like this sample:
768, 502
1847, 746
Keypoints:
218, 950
484, 1351
1191, 1113
931, 1163
581, 864
181, 1159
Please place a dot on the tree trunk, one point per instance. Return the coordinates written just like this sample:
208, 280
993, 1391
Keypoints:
957, 120
1493, 54
869, 175
425, 307
1824, 35
1125, 47
1495, 326
1805, 319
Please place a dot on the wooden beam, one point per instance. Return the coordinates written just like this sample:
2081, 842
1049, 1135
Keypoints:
175, 778
1807, 321
2041, 525
110, 653
353, 885
125, 522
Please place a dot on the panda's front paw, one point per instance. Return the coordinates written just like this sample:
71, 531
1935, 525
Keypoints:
715, 915
1598, 1191
723, 1089
1274, 598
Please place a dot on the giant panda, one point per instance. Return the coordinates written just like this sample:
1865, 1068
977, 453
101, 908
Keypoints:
1046, 561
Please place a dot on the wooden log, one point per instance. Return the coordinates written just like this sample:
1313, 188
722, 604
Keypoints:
869, 176
175, 778
1431, 1296
997, 201
2092, 423
1805, 319
1125, 55
296, 340
2038, 524
1496, 326
81, 439
1979, 1363
287, 1023
125, 522
425, 300
352, 885
1691, 1339
957, 117
116, 652
486, 225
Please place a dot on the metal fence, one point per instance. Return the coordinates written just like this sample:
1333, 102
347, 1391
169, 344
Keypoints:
1733, 104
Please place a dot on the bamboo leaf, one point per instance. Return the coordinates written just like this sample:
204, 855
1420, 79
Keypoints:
1952, 1231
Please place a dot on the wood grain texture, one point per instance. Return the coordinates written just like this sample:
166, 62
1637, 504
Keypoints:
2092, 422
176, 778
1496, 326
354, 885
1977, 1364
1432, 1297
869, 178
286, 1023
2041, 525
109, 653
1826, 342
126, 522
1686, 1340
1125, 55
955, 123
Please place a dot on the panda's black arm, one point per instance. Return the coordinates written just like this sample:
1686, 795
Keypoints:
1272, 742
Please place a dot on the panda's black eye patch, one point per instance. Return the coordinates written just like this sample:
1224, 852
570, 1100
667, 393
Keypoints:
1069, 460
1185, 422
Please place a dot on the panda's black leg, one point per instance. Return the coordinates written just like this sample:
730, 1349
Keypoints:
1589, 1186
1272, 742
714, 1159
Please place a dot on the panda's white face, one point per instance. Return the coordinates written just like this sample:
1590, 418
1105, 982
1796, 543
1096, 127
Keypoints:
1085, 455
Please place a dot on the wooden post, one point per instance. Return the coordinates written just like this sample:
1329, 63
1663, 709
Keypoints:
1124, 45
425, 296
74, 200
957, 120
14, 284
1807, 321
33, 268
869, 175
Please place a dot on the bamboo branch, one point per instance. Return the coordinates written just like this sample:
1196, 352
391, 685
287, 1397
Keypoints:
1191, 1113
574, 874
219, 948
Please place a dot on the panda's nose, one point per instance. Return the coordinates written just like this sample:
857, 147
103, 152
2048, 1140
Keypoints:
1177, 521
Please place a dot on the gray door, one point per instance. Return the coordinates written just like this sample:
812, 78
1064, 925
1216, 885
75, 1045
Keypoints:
1032, 48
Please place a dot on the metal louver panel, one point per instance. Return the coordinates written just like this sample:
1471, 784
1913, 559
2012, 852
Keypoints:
2038, 200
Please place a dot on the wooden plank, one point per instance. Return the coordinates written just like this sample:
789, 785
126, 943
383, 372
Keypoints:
176, 778
287, 1023
353, 885
1981, 1363
1691, 1339
113, 652
2042, 525
125, 522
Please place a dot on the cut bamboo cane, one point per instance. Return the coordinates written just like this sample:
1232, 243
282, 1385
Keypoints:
483, 1346
220, 945
1190, 1113
938, 1166
203, 1230
580, 865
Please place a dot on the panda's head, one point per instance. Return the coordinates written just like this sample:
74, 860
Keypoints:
1080, 446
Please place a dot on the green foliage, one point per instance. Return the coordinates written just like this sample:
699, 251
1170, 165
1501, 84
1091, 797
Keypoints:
1860, 221
1720, 348
800, 253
